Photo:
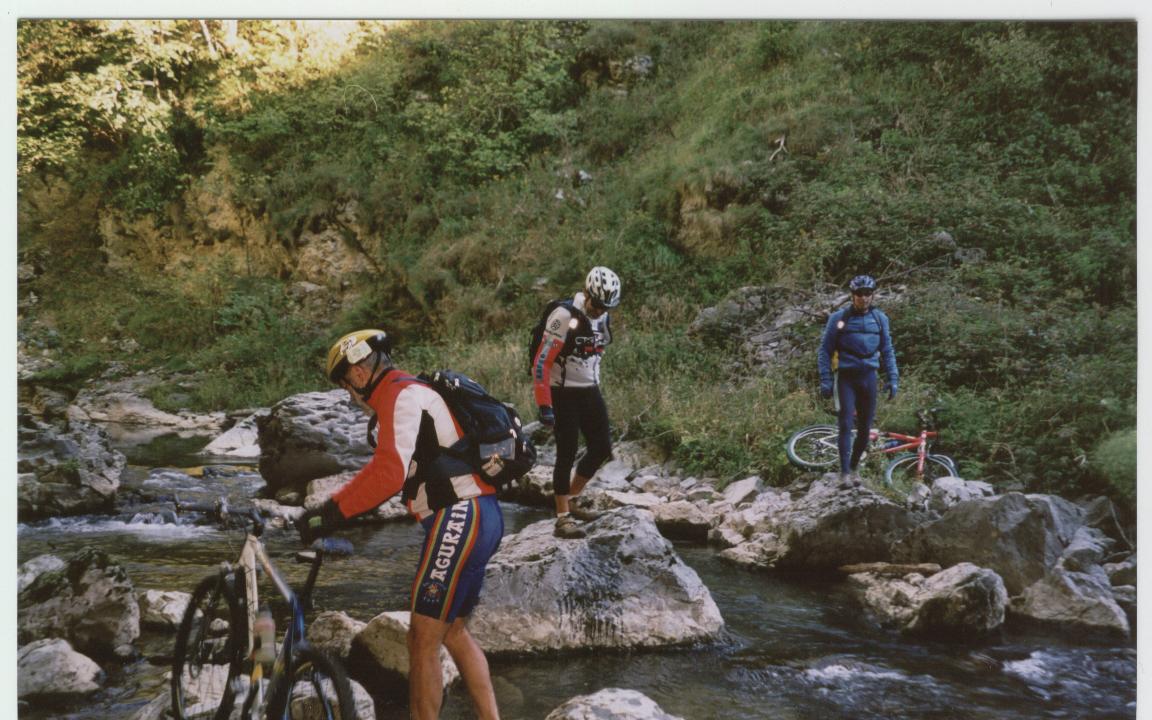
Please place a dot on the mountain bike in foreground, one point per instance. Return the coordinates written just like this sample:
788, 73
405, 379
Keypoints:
226, 653
815, 448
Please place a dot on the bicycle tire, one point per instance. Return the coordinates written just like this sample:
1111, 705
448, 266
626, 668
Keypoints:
901, 472
951, 463
209, 651
320, 689
814, 447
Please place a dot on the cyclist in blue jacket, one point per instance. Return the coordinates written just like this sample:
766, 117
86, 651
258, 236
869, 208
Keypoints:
859, 337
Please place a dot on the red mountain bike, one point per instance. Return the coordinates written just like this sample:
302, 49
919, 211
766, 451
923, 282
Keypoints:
815, 448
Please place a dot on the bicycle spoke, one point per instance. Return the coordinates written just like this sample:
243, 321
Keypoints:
814, 447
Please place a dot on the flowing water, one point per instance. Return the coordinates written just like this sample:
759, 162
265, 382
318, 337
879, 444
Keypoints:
793, 647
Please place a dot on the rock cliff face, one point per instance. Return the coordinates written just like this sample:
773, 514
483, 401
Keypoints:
69, 471
328, 260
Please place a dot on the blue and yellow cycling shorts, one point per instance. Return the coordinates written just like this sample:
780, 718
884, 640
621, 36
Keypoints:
459, 540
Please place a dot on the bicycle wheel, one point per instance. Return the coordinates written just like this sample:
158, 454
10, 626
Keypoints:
209, 649
951, 464
901, 472
320, 689
814, 447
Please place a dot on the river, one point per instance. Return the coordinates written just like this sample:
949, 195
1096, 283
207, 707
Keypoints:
794, 646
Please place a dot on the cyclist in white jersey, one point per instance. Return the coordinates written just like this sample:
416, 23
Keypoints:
566, 385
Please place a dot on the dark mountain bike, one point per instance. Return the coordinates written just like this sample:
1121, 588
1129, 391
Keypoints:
226, 654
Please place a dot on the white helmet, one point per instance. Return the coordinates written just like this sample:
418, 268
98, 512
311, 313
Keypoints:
603, 286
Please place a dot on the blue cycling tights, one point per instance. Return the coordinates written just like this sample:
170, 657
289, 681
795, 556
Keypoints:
857, 393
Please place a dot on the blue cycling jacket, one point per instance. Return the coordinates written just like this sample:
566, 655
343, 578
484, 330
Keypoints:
862, 340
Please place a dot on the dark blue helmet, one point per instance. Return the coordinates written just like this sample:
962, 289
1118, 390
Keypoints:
862, 282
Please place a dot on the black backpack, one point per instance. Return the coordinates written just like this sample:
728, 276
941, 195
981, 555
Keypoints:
538, 331
492, 429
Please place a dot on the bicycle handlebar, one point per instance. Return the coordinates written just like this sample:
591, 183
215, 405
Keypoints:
333, 546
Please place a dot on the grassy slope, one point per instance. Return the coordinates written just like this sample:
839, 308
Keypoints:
882, 153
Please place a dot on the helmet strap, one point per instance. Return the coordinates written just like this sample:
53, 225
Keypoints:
370, 387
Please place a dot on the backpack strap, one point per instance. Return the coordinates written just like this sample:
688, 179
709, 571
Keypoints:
568, 304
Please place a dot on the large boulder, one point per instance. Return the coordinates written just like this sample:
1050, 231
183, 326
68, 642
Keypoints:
90, 602
311, 435
743, 491
960, 601
683, 520
949, 491
242, 440
333, 632
621, 586
51, 668
65, 472
379, 654
825, 528
36, 567
1080, 603
610, 704
162, 608
1019, 536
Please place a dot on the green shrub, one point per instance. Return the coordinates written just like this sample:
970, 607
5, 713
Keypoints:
776, 43
1115, 460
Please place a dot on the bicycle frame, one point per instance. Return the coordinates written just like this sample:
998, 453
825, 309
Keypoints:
254, 554
918, 443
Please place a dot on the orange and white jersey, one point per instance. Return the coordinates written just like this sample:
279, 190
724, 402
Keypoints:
413, 421
583, 339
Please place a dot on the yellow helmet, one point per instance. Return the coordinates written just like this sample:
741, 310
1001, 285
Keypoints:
354, 347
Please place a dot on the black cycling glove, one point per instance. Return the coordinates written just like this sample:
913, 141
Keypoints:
319, 522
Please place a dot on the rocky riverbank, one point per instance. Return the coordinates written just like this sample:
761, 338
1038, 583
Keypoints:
955, 559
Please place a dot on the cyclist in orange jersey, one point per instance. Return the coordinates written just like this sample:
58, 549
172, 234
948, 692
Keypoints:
457, 508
